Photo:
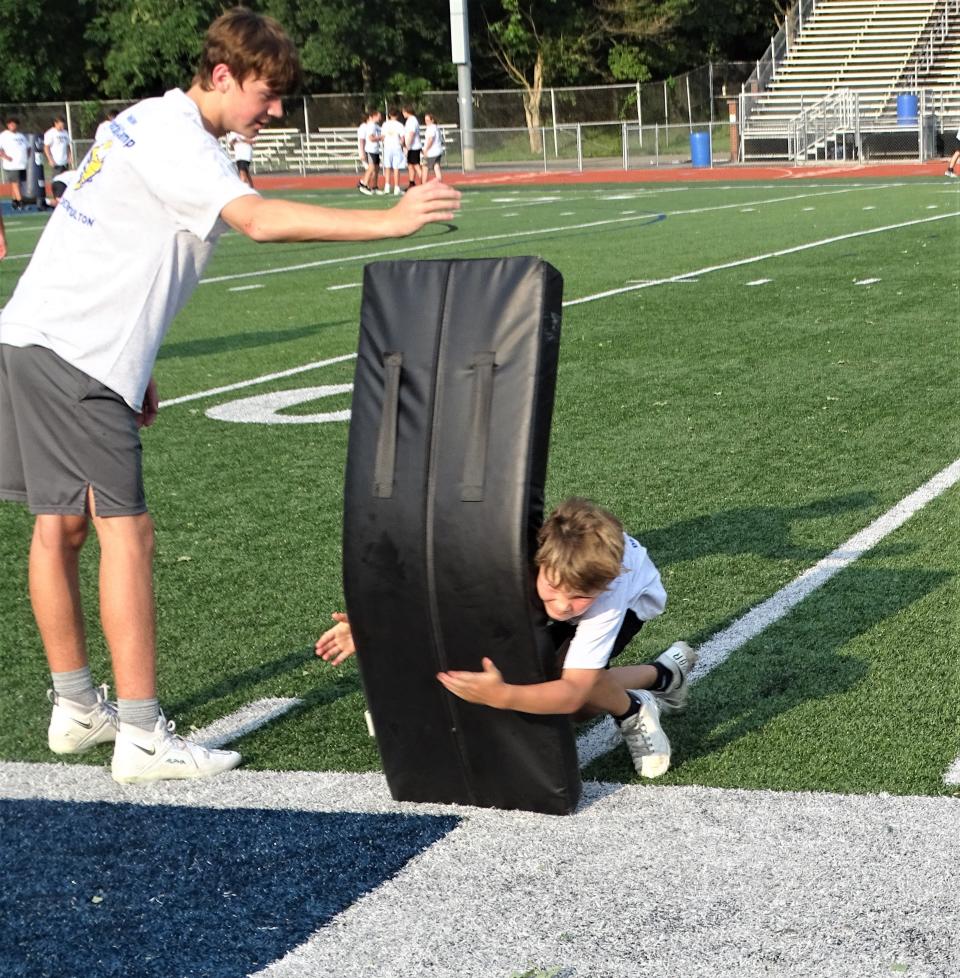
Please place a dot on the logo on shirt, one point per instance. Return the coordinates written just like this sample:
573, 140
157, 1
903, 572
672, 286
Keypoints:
93, 163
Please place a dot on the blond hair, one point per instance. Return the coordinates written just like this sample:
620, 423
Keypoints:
249, 43
580, 546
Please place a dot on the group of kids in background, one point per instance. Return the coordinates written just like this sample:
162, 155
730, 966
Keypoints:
78, 341
394, 146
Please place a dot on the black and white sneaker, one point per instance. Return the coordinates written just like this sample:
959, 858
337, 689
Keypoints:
680, 659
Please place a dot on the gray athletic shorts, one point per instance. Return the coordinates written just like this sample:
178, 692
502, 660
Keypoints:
62, 431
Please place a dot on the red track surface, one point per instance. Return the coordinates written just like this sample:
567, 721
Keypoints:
666, 174
672, 174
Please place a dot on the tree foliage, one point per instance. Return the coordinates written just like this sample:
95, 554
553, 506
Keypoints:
96, 49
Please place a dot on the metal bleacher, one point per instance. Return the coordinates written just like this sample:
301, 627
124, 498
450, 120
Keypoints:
859, 52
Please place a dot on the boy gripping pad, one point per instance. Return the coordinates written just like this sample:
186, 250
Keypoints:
447, 456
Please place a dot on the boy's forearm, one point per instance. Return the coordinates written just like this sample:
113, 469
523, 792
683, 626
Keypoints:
286, 220
553, 697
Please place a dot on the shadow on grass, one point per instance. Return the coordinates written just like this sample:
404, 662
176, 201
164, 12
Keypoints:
243, 341
799, 659
337, 685
762, 530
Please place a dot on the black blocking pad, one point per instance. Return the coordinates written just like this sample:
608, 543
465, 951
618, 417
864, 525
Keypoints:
452, 403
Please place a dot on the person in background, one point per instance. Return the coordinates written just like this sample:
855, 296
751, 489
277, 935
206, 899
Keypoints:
57, 146
413, 144
15, 152
242, 149
433, 148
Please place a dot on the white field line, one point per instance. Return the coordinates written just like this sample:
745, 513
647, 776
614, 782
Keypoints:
279, 375
513, 235
243, 721
603, 736
244, 288
740, 262
953, 773
641, 284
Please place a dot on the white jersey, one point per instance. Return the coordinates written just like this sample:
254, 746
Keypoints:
412, 128
58, 142
637, 589
392, 131
128, 242
16, 146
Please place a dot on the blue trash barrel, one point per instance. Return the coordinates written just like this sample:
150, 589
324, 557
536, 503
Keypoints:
700, 150
907, 109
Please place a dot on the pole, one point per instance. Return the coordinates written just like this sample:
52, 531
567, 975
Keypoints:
460, 49
553, 116
639, 118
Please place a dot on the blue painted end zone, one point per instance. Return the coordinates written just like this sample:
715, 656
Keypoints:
130, 890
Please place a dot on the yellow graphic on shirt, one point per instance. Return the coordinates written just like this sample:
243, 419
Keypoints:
92, 165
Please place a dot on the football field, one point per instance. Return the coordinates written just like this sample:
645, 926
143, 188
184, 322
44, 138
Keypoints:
761, 380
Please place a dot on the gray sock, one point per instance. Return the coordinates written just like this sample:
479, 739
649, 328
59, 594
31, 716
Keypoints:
140, 713
76, 686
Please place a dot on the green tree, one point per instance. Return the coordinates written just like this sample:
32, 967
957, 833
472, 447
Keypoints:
149, 45
42, 50
372, 46
537, 43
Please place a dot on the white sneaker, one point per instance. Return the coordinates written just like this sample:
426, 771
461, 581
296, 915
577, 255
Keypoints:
680, 658
949, 173
386, 188
397, 192
75, 728
644, 737
160, 754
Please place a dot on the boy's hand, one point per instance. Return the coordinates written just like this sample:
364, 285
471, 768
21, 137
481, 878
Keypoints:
434, 201
150, 406
487, 687
335, 645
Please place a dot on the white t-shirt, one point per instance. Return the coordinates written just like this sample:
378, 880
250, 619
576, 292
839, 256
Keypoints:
412, 128
371, 140
432, 140
242, 148
637, 589
67, 177
58, 142
392, 131
103, 131
126, 245
362, 135
15, 145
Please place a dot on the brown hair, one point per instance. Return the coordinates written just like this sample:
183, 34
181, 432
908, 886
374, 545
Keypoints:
249, 44
580, 546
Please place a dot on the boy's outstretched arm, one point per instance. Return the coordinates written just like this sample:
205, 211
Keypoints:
335, 645
568, 694
264, 219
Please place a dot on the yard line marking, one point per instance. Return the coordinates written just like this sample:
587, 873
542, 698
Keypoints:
244, 288
349, 285
866, 281
280, 374
512, 235
243, 721
760, 281
717, 649
738, 263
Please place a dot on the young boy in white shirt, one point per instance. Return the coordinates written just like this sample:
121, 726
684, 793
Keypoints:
118, 259
598, 586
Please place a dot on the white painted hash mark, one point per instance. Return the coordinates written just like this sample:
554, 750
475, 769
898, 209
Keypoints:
244, 288
716, 650
245, 720
760, 281
866, 281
